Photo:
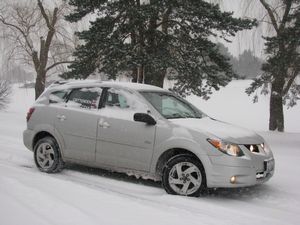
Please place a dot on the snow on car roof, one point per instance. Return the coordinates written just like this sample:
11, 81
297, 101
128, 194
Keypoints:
135, 86
84, 83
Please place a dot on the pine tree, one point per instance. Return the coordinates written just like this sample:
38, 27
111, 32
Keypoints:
283, 63
147, 39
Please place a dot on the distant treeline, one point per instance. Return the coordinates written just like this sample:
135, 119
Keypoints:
246, 65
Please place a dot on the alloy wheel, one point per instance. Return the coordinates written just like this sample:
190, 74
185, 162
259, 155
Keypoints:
45, 156
185, 178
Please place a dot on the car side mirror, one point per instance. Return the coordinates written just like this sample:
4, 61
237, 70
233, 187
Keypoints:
145, 118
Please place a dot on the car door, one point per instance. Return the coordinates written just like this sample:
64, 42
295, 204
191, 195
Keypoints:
121, 141
76, 121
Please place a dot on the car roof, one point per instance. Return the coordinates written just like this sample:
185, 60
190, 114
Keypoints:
60, 85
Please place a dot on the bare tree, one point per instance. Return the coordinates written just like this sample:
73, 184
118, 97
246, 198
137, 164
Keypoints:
5, 91
39, 36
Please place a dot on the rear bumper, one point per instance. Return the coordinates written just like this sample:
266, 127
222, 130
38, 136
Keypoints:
28, 139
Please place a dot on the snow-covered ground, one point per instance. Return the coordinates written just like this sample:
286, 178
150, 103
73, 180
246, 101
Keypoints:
80, 195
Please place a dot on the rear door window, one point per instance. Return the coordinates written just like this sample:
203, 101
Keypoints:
85, 98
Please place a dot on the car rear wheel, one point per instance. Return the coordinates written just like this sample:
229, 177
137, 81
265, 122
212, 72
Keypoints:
184, 175
47, 155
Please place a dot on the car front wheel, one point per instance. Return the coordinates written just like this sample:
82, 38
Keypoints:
47, 155
184, 175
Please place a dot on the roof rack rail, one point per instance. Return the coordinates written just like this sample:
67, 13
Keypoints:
61, 82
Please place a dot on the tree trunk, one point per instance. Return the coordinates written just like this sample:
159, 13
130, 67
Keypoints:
140, 74
276, 121
40, 83
159, 81
156, 79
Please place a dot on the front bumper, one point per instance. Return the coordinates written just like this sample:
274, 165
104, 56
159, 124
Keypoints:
244, 176
247, 171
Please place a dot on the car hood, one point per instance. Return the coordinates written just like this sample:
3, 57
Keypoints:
214, 128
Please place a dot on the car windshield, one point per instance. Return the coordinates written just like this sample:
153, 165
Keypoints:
171, 106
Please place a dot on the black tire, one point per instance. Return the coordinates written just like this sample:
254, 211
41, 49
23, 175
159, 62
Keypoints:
195, 180
47, 155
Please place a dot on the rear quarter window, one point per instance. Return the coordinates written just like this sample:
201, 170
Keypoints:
58, 96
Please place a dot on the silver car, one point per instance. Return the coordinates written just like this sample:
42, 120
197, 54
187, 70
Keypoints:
145, 131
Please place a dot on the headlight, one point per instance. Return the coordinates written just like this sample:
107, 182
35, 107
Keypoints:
227, 148
266, 148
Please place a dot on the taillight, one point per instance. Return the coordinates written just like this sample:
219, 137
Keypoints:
29, 114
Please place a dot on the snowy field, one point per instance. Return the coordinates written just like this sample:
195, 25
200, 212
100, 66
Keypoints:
86, 196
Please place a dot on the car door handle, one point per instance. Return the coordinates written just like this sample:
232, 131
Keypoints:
61, 117
104, 124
